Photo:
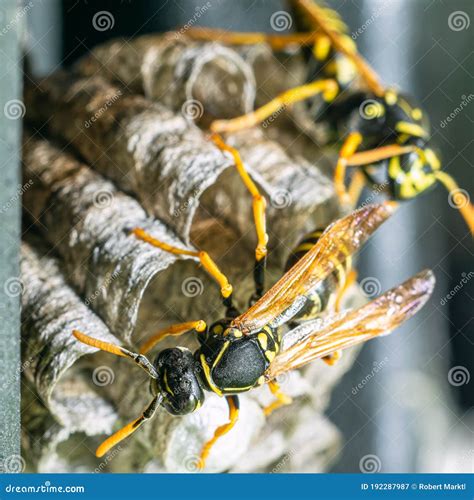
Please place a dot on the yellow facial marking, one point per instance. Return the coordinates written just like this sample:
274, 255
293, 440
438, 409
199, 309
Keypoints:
390, 97
417, 114
261, 380
263, 341
218, 329
411, 129
270, 355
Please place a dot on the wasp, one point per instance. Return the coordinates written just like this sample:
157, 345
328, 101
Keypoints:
243, 351
386, 134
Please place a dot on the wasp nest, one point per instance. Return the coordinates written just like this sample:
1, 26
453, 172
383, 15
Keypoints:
137, 156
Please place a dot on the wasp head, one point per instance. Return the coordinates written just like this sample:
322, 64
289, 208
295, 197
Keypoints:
177, 381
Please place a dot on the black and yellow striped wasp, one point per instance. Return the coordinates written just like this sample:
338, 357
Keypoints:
246, 350
385, 134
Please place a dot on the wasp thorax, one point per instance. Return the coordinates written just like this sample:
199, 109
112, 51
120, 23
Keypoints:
232, 332
178, 382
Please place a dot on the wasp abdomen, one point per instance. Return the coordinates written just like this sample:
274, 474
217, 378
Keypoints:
322, 295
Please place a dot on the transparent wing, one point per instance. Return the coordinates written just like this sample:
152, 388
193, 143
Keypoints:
287, 296
379, 317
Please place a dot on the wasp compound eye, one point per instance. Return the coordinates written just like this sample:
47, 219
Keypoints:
177, 381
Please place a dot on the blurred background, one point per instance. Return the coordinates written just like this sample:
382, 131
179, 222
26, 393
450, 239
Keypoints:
406, 405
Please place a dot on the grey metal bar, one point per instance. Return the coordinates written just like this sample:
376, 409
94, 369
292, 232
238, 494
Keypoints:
12, 17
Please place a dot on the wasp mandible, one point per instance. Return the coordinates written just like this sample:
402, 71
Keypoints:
243, 351
386, 135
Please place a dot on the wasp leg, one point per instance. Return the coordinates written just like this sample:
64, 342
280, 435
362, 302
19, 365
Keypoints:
128, 429
349, 147
333, 358
177, 329
233, 403
358, 182
281, 398
350, 280
259, 205
276, 42
139, 359
328, 88
325, 21
458, 197
206, 261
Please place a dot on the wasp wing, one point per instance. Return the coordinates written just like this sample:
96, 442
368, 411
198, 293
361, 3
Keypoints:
340, 240
378, 317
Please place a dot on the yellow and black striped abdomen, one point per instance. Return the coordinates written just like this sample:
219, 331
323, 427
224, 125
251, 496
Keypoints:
323, 294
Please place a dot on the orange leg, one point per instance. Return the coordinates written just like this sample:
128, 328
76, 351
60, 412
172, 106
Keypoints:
355, 187
233, 403
209, 265
459, 198
258, 203
281, 398
349, 147
333, 358
276, 42
325, 21
350, 280
328, 88
128, 429
177, 329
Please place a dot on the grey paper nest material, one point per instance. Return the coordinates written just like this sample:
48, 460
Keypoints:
168, 164
143, 147
89, 223
201, 79
50, 311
